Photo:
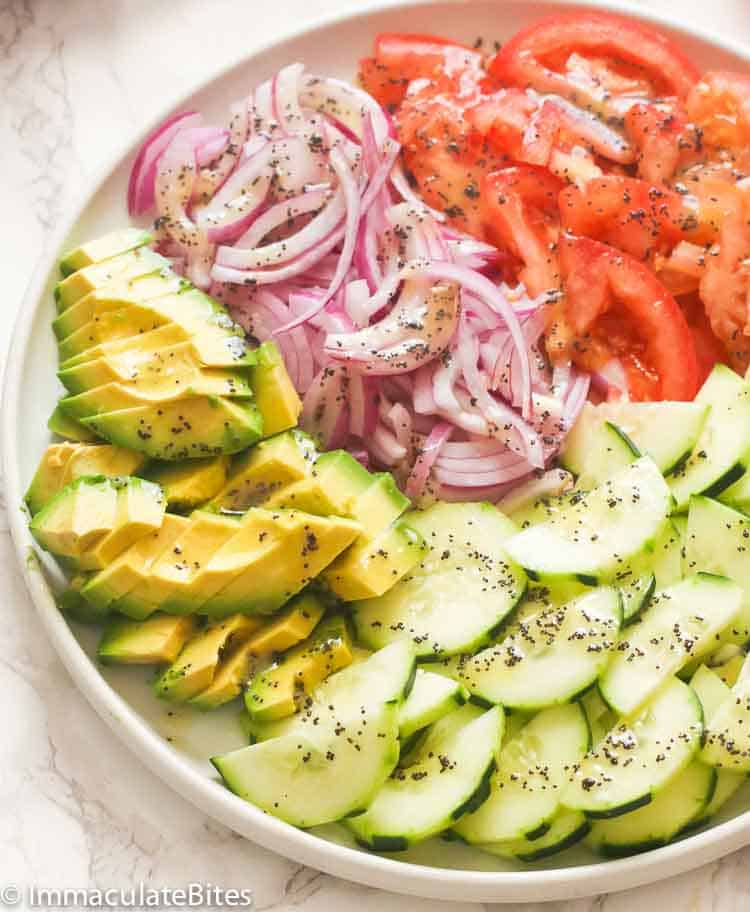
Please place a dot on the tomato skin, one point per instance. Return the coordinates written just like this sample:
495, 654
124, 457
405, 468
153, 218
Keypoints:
719, 105
520, 212
503, 118
608, 292
400, 58
520, 61
637, 217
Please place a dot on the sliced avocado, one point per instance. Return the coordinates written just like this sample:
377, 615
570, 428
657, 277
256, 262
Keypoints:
102, 459
279, 690
372, 565
116, 296
140, 261
110, 245
274, 391
185, 429
180, 581
65, 426
48, 479
189, 484
263, 469
273, 573
277, 634
76, 518
88, 343
140, 511
113, 586
194, 668
333, 485
110, 327
74, 605
154, 641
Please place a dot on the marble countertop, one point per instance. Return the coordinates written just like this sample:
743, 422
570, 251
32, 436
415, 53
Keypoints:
76, 808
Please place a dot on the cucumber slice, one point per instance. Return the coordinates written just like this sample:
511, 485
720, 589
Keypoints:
639, 756
738, 494
673, 809
551, 652
600, 717
665, 431
718, 541
591, 539
333, 757
455, 599
656, 570
432, 697
728, 730
680, 623
601, 453
636, 595
531, 775
722, 453
450, 777
727, 783
566, 829
545, 508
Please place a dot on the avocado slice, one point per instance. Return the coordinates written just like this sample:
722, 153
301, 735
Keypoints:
279, 691
290, 627
194, 668
94, 519
116, 296
74, 605
89, 343
170, 372
373, 564
48, 479
184, 429
261, 470
103, 248
330, 488
154, 641
110, 327
138, 262
111, 588
275, 394
64, 426
189, 484
295, 549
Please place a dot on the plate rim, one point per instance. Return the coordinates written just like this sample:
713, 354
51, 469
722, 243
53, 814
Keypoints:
218, 803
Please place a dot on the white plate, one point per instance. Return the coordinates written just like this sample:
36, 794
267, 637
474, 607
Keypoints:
435, 869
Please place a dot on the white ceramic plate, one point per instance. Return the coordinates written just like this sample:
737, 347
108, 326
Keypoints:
435, 869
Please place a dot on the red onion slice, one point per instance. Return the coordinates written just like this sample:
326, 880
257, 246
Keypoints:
427, 454
143, 172
282, 213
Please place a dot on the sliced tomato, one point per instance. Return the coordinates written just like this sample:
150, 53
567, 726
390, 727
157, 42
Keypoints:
719, 105
614, 307
502, 119
520, 213
664, 139
635, 216
709, 350
591, 58
401, 58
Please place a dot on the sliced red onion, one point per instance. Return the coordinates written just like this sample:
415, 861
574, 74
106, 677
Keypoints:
324, 407
427, 454
210, 142
143, 172
363, 405
490, 493
467, 477
402, 187
590, 129
424, 400
356, 299
240, 199
285, 98
345, 102
611, 380
214, 173
283, 213
384, 446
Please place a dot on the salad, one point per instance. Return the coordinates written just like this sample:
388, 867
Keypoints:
417, 423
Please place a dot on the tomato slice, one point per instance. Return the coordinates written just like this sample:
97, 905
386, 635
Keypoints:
520, 212
591, 58
615, 307
401, 58
719, 105
502, 119
664, 139
635, 216
709, 350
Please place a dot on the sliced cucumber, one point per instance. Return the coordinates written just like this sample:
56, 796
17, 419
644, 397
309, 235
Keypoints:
738, 494
334, 756
593, 538
600, 717
455, 599
665, 431
604, 453
681, 622
550, 654
728, 729
533, 769
639, 579
673, 809
727, 783
718, 541
566, 829
639, 756
722, 452
449, 777
545, 508
432, 697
